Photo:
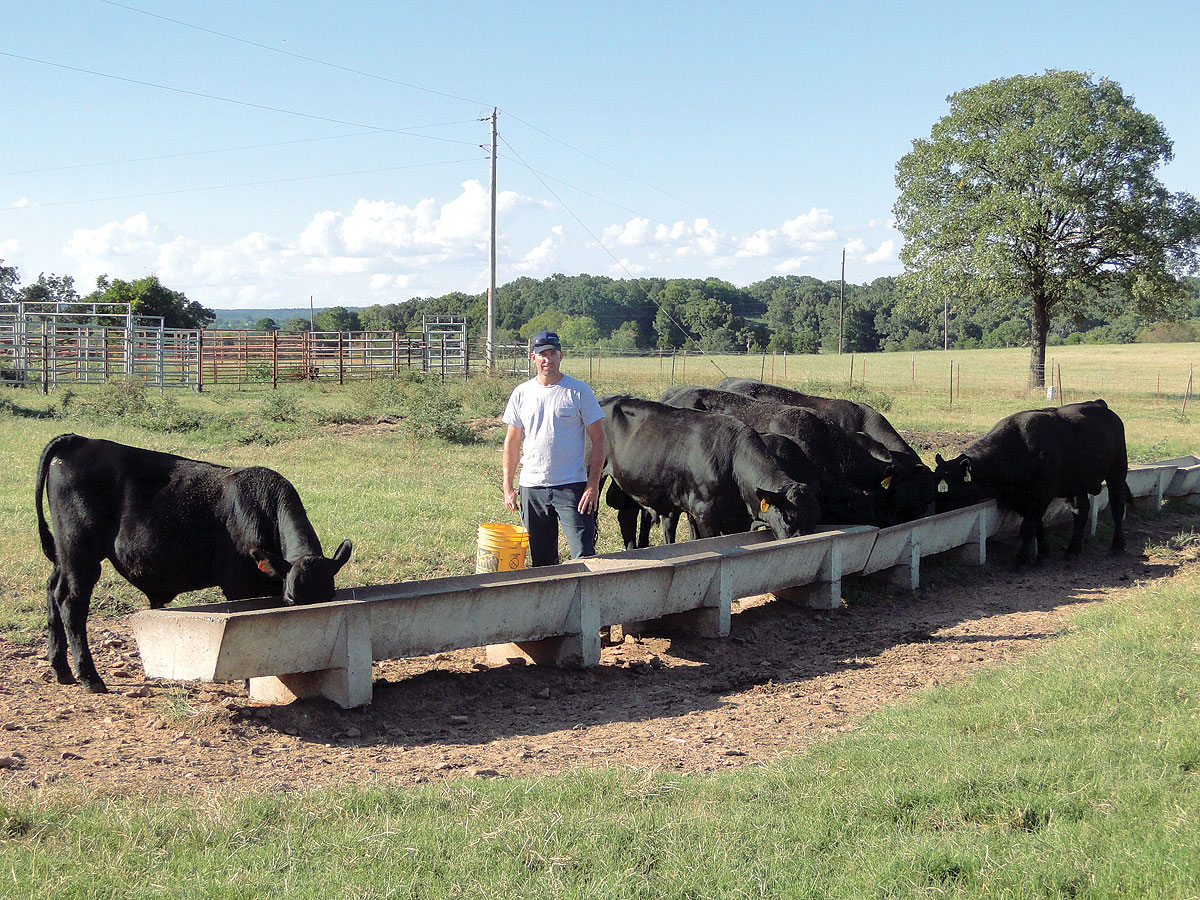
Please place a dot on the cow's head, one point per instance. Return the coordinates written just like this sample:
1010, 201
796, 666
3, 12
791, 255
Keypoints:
308, 579
789, 511
911, 492
954, 485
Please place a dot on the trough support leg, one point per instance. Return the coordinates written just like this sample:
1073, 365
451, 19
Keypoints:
907, 575
347, 682
825, 592
580, 646
709, 620
974, 551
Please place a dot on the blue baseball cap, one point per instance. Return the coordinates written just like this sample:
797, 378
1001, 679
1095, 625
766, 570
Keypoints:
544, 340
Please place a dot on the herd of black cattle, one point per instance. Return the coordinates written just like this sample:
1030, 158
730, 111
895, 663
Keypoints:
742, 453
746, 452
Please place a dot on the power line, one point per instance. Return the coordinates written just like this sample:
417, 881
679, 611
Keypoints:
377, 77
140, 159
301, 56
223, 187
604, 247
246, 103
624, 173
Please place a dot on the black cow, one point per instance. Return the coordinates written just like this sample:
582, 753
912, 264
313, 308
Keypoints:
712, 467
828, 447
841, 502
168, 525
866, 424
1031, 457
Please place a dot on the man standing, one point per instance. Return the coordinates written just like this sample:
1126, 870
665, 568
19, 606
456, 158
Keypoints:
550, 414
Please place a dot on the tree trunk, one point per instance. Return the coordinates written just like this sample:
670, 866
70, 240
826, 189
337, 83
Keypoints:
1037, 341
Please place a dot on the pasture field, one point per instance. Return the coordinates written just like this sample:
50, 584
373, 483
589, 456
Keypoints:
1072, 773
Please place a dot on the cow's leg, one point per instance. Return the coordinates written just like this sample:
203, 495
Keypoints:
645, 520
1030, 533
670, 524
56, 637
1081, 505
705, 523
74, 598
627, 521
1116, 505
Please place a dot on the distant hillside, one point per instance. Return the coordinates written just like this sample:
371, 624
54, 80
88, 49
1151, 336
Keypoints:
245, 318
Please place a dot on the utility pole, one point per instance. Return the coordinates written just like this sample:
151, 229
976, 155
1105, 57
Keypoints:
489, 347
945, 321
841, 300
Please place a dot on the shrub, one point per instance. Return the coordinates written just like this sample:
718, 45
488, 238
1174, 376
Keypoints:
123, 398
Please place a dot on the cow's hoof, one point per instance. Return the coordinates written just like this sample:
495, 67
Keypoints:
96, 687
65, 678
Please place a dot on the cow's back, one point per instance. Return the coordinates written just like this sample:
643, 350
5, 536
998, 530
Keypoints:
159, 518
1059, 451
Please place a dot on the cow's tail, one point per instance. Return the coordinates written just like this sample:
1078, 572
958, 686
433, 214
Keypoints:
48, 454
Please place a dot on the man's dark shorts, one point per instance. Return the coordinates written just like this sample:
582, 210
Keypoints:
542, 508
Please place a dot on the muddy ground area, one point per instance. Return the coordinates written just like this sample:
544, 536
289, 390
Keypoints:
787, 676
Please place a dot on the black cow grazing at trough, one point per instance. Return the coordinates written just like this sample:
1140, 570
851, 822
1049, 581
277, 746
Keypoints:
828, 447
841, 502
168, 525
1032, 457
866, 424
712, 467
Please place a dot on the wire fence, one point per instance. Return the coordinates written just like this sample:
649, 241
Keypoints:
1161, 372
47, 356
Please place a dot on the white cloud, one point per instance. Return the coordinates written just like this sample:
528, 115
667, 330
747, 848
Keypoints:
543, 255
373, 253
22, 203
885, 252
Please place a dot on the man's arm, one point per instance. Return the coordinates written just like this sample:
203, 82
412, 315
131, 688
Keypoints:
590, 501
512, 455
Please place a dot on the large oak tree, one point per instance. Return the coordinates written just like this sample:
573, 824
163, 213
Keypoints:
1044, 187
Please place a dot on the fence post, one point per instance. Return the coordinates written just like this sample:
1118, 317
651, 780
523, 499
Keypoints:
46, 365
199, 362
341, 359
1187, 393
274, 360
951, 382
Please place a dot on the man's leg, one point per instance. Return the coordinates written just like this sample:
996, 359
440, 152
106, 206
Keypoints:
579, 528
537, 512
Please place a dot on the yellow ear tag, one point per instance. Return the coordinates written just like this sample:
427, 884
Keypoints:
886, 483
763, 505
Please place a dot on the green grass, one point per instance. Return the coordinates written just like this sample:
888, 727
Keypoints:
1075, 773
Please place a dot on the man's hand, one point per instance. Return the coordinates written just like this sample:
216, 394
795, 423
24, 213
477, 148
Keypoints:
590, 501
510, 498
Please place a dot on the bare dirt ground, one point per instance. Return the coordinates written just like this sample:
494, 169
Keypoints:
786, 677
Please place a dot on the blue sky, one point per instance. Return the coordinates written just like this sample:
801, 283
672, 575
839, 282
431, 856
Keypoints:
254, 154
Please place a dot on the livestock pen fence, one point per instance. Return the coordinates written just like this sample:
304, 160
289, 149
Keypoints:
49, 345
52, 344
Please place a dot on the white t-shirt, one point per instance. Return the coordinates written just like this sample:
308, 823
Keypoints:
554, 418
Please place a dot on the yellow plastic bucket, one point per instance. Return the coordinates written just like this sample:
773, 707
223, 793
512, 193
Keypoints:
501, 548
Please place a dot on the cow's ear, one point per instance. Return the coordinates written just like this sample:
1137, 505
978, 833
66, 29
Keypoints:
341, 556
767, 499
888, 474
937, 460
270, 563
